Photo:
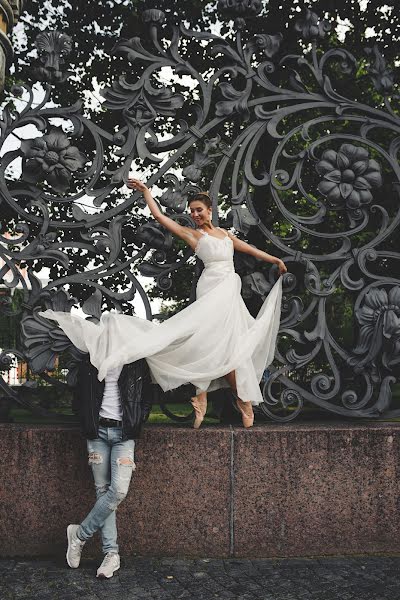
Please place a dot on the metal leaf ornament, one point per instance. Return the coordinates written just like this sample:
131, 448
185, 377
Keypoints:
54, 48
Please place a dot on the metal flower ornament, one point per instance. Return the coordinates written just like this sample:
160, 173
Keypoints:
379, 336
51, 158
291, 163
349, 177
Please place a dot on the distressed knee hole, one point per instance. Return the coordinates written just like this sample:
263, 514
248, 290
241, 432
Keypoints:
101, 489
95, 458
117, 499
126, 462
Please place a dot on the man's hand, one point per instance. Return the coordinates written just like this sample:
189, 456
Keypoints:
136, 184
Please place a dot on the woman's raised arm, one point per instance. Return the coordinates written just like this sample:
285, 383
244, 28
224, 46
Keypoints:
185, 233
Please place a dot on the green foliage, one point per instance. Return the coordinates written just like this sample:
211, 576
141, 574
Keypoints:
9, 324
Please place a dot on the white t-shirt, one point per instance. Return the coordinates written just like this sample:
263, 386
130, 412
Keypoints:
111, 405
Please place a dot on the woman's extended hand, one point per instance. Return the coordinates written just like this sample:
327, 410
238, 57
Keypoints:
136, 184
282, 267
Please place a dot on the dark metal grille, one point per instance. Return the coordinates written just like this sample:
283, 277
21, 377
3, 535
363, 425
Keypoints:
299, 168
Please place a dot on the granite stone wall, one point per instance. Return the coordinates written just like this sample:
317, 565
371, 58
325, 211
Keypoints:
289, 490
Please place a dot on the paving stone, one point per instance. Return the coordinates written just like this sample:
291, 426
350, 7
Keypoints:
143, 578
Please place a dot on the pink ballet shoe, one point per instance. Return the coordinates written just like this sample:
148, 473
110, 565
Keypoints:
246, 410
200, 409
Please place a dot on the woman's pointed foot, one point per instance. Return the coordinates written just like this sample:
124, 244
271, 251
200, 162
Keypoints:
200, 409
246, 411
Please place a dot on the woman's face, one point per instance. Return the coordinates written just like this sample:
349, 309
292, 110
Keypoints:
199, 212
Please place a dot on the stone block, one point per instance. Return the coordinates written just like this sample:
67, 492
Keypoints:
317, 490
272, 491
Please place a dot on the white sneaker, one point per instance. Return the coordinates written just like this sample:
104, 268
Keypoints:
75, 546
110, 564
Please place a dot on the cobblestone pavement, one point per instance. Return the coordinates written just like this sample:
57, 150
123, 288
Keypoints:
361, 578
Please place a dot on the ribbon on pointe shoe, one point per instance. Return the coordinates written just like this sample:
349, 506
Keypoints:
246, 411
200, 409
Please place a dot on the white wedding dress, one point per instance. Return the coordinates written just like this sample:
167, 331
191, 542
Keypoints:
203, 342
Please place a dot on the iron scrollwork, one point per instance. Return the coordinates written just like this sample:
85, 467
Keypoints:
310, 174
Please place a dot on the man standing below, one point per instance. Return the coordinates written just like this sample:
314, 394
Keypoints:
111, 414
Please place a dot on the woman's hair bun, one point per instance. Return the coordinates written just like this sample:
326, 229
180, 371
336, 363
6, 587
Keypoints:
201, 197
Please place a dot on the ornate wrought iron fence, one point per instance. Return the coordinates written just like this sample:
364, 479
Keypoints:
296, 166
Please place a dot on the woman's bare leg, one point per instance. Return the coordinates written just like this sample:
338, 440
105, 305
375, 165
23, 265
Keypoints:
231, 379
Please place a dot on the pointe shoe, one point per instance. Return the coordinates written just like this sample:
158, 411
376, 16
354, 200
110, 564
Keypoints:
246, 410
200, 409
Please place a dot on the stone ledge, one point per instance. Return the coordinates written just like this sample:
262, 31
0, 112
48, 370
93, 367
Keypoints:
275, 490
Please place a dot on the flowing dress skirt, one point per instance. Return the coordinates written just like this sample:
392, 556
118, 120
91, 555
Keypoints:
209, 338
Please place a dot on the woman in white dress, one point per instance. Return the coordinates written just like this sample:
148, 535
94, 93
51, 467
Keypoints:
212, 343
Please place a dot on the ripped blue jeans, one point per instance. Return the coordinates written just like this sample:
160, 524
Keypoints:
112, 462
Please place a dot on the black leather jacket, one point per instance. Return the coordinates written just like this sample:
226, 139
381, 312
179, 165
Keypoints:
136, 393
